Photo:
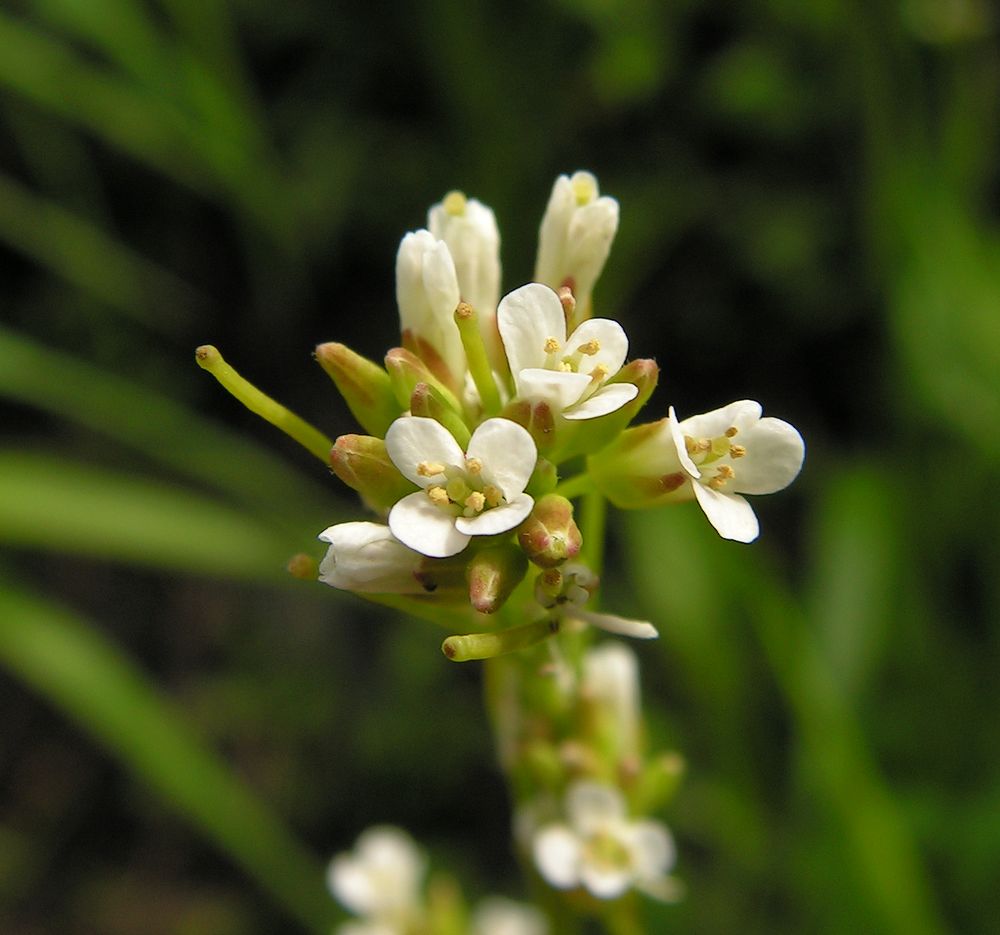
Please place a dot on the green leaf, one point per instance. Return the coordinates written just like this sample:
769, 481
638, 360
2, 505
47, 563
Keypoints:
88, 678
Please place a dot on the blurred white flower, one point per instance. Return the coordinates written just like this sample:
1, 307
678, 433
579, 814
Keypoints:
601, 849
379, 880
611, 678
475, 493
575, 237
369, 559
499, 916
569, 373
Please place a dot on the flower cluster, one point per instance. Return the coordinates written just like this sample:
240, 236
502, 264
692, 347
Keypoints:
382, 882
496, 413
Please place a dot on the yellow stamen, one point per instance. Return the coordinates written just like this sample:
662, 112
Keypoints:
599, 373
731, 431
474, 466
454, 203
590, 348
584, 188
438, 495
493, 495
475, 501
551, 346
737, 451
566, 367
429, 468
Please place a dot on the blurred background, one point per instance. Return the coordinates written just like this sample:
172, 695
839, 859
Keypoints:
809, 197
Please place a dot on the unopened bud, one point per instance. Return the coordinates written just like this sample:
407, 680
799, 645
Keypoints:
428, 402
362, 463
493, 574
549, 536
365, 386
406, 370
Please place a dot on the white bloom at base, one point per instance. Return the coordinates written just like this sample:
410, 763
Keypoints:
469, 228
427, 294
380, 880
575, 236
369, 559
569, 373
498, 916
475, 493
611, 678
601, 849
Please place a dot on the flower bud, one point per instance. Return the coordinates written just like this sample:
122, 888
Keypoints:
427, 293
368, 559
493, 574
610, 689
406, 370
362, 463
549, 536
575, 238
365, 386
431, 404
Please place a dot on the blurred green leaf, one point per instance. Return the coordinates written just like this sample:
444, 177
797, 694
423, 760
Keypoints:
79, 671
51, 504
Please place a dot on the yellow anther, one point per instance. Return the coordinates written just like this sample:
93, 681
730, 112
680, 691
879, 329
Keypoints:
493, 495
737, 451
696, 446
551, 346
584, 188
599, 373
590, 348
438, 495
475, 501
474, 466
566, 367
454, 203
731, 431
464, 311
430, 468
725, 471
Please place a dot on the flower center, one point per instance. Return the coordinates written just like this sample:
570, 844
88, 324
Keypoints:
606, 852
464, 492
717, 452
565, 360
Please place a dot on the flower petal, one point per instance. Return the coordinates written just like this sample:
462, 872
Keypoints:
604, 881
623, 626
560, 389
606, 399
527, 318
417, 522
653, 849
775, 451
557, 856
508, 454
611, 338
731, 515
591, 807
414, 439
497, 520
677, 435
742, 414
366, 557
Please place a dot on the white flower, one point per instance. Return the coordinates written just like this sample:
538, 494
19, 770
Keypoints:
369, 559
565, 590
611, 678
380, 880
475, 493
730, 451
427, 294
469, 229
499, 916
571, 373
575, 237
603, 850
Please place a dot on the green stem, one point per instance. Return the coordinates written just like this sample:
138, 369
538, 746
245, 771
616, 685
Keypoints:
478, 361
310, 438
574, 487
593, 519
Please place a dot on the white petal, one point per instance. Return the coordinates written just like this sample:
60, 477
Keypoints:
413, 439
603, 881
638, 629
417, 522
606, 399
557, 856
591, 807
349, 880
742, 414
612, 340
497, 520
560, 389
527, 318
677, 436
366, 557
508, 454
732, 517
775, 452
653, 850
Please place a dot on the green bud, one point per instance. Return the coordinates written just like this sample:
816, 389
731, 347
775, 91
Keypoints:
365, 386
493, 573
549, 536
406, 370
362, 463
429, 402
